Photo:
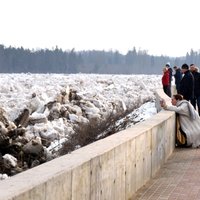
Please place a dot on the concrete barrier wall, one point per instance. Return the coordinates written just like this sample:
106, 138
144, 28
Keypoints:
111, 169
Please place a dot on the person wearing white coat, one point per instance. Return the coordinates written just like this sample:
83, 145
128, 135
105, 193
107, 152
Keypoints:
189, 119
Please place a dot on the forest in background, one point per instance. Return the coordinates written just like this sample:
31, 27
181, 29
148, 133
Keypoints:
20, 60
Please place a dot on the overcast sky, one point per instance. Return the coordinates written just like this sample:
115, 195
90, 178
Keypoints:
163, 27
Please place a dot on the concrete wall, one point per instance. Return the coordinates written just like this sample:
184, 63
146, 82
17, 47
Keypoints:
112, 169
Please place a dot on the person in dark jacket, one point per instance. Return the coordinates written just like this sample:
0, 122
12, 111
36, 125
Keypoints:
196, 100
187, 83
177, 77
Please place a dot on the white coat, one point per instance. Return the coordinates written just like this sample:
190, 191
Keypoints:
189, 121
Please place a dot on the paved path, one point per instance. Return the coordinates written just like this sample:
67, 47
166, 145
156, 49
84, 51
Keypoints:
178, 179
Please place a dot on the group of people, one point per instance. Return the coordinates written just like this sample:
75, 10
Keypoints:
185, 102
187, 81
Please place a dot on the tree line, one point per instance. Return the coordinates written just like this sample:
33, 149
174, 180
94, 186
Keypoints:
20, 60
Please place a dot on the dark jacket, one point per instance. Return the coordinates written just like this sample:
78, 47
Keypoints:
170, 74
196, 83
178, 77
187, 86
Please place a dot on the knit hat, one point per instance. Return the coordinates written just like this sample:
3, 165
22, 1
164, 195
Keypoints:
167, 64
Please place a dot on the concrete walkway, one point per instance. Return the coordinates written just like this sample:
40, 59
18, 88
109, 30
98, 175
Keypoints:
178, 179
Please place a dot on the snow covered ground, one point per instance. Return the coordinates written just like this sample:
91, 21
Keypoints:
56, 104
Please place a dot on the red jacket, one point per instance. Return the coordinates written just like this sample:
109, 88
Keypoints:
165, 78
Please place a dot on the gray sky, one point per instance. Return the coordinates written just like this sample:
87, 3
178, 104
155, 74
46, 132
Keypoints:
167, 27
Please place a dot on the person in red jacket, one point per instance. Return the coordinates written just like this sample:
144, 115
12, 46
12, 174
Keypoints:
165, 81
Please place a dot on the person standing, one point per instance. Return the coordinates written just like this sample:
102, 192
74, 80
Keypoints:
170, 71
187, 83
177, 77
196, 100
165, 81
